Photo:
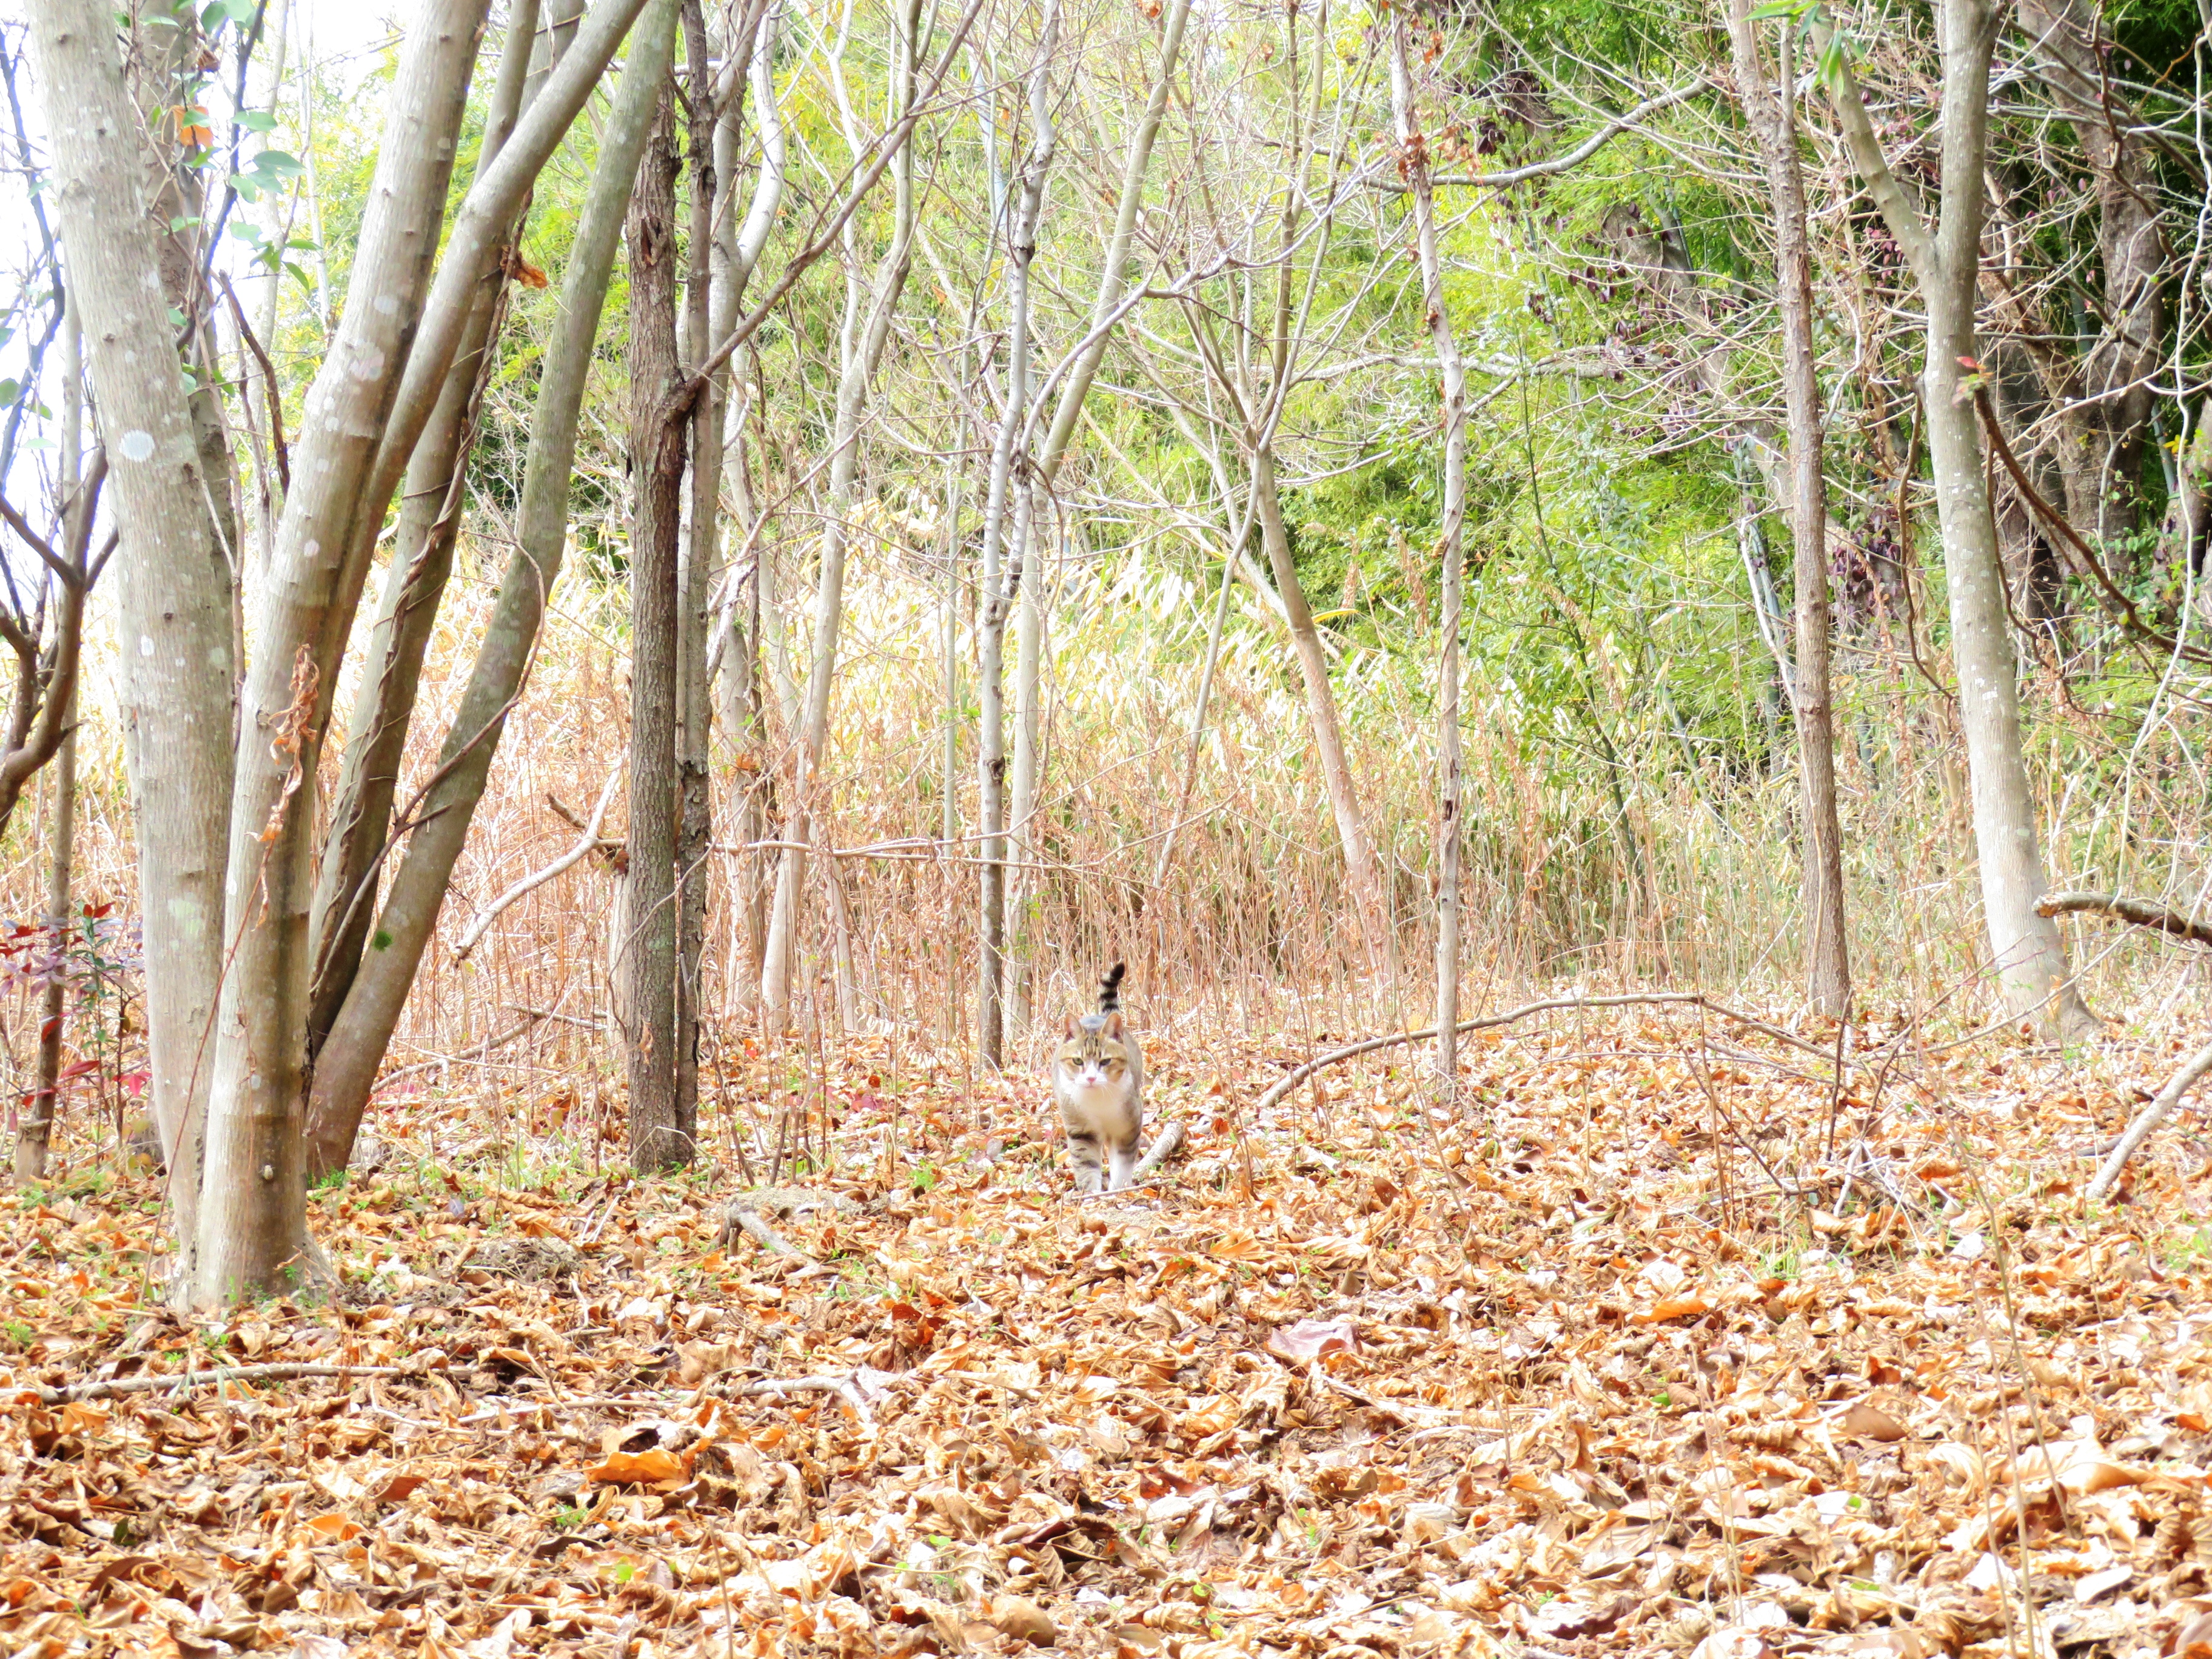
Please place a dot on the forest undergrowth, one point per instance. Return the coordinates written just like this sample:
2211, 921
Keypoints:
1664, 1338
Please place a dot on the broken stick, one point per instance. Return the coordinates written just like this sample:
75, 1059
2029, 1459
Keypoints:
2142, 913
2192, 1072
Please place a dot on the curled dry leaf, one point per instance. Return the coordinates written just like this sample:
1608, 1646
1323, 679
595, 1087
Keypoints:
1669, 1309
1311, 1338
1733, 1642
647, 1467
1863, 1420
1023, 1619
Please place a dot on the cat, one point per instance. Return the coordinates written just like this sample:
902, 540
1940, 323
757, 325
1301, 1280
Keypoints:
1098, 1080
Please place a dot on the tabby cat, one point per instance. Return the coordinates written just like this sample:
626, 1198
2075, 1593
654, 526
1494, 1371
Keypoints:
1098, 1078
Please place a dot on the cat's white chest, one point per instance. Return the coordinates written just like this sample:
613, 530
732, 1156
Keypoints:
1098, 1107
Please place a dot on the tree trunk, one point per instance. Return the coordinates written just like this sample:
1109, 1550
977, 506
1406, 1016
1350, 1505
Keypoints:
165, 64
1113, 278
1770, 114
660, 1136
737, 254
346, 1067
1365, 871
2075, 51
948, 665
856, 375
1002, 580
173, 589
697, 562
1413, 148
34, 1135
1022, 802
429, 528
472, 261
253, 1200
2029, 957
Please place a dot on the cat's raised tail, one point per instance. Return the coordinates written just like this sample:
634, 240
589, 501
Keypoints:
1110, 988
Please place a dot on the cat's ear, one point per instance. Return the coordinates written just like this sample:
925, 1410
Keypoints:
1068, 1031
1114, 1026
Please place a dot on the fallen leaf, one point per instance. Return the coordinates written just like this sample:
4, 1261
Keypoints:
1024, 1620
1309, 1338
1863, 1420
639, 1468
1670, 1308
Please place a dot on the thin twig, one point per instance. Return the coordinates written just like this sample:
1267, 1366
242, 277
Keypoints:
2117, 603
499, 1040
1299, 1074
586, 843
193, 1379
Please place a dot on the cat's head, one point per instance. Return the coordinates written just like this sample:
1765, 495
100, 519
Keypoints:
1094, 1051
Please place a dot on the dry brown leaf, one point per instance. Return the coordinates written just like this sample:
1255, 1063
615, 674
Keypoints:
1863, 1420
1733, 1642
1669, 1309
647, 1468
1023, 1619
1309, 1338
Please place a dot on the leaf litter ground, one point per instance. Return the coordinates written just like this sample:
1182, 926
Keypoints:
1656, 1343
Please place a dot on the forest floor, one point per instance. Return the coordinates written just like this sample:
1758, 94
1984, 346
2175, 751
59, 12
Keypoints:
1619, 1357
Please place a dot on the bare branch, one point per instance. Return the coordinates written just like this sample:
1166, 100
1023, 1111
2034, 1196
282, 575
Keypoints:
587, 843
2192, 1072
1898, 211
2142, 913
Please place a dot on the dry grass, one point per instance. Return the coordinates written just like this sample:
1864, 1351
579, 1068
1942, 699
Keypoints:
1248, 932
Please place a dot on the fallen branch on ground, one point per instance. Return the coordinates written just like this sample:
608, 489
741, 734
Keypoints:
2192, 1070
739, 1219
1299, 1074
2142, 913
846, 1389
107, 1387
1160, 1152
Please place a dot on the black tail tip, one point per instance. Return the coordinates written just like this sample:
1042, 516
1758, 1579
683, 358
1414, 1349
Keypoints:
1110, 988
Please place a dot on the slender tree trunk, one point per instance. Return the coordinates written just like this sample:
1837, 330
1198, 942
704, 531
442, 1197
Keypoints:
712, 105
1113, 278
472, 261
346, 1067
1413, 154
1006, 561
991, 812
174, 590
2110, 416
34, 1134
253, 1201
948, 656
659, 1138
1029, 532
428, 527
1364, 870
856, 374
168, 64
737, 253
1770, 111
2029, 957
